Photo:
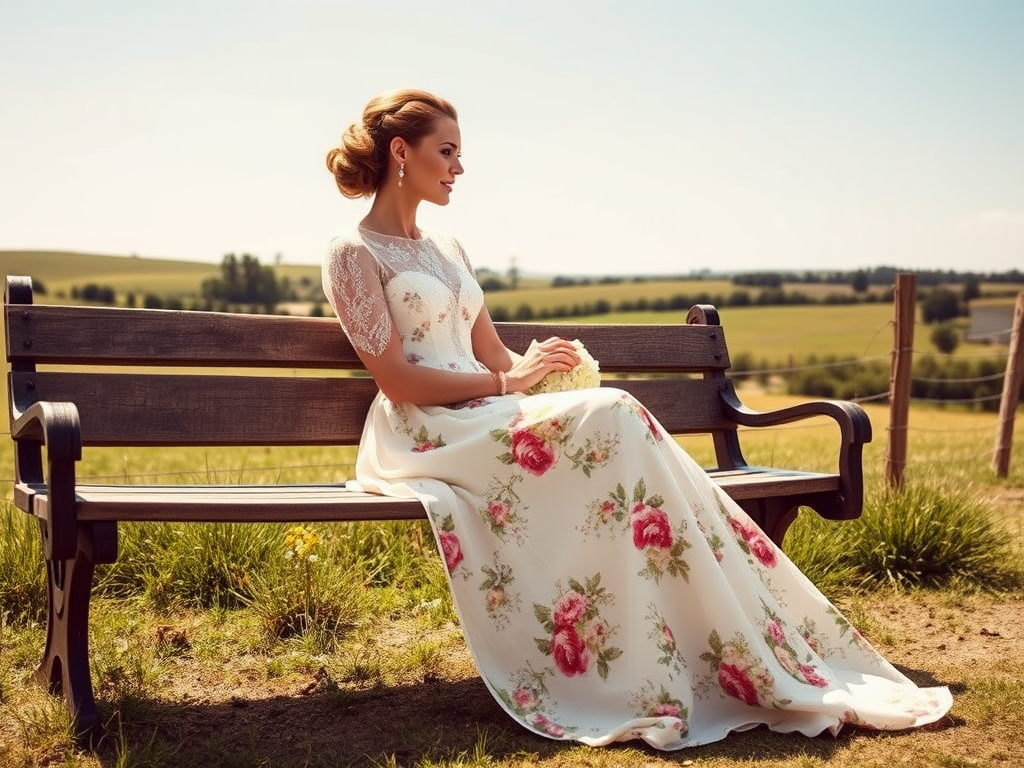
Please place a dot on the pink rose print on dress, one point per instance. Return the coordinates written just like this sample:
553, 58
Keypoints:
476, 402
738, 673
810, 675
503, 510
413, 301
452, 550
764, 551
532, 453
527, 701
423, 442
550, 728
736, 683
577, 635
753, 542
649, 701
714, 541
570, 608
775, 632
449, 544
788, 655
596, 452
650, 527
498, 511
633, 405
665, 640
815, 640
524, 698
643, 517
534, 446
420, 332
499, 598
569, 652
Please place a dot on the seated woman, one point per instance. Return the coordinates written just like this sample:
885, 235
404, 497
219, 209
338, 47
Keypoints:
607, 588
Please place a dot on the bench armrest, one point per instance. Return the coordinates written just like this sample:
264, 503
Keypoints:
57, 427
855, 431
853, 421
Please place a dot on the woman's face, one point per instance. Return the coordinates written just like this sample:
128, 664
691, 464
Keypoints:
432, 165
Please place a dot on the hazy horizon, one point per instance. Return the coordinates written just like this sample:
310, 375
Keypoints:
599, 137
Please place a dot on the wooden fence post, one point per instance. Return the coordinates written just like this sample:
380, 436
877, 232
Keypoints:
905, 302
1011, 391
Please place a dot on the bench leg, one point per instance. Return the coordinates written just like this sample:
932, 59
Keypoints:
65, 665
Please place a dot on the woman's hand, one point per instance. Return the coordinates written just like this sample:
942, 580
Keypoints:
539, 360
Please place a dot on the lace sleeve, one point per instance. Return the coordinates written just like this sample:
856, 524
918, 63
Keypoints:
352, 284
465, 259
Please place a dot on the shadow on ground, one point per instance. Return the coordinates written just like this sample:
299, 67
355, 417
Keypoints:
429, 722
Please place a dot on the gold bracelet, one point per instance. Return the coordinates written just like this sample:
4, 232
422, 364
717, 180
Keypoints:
502, 382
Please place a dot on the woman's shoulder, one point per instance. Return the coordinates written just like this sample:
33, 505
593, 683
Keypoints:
346, 245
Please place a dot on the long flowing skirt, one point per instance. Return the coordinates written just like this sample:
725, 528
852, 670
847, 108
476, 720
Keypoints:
609, 590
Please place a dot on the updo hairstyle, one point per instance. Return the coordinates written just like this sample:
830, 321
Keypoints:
360, 162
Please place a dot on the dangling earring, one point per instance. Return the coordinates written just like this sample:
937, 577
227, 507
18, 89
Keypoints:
401, 173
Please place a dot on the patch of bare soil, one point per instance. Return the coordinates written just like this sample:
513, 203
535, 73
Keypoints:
325, 711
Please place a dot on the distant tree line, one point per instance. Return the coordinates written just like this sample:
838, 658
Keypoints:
938, 305
243, 280
677, 302
973, 382
860, 280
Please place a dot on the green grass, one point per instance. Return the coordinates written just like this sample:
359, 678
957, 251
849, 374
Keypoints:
182, 602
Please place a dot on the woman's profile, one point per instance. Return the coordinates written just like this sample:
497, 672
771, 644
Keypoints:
607, 588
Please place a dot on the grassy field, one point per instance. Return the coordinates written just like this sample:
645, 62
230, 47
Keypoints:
213, 681
186, 686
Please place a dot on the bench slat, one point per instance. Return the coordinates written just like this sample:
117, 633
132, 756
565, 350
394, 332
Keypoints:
179, 409
116, 336
329, 502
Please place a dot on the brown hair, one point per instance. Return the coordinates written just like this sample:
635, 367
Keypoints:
360, 162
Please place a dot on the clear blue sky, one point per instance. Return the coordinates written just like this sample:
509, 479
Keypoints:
599, 137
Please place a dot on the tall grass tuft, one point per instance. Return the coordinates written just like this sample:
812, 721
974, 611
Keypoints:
930, 533
22, 575
191, 564
933, 534
310, 587
821, 549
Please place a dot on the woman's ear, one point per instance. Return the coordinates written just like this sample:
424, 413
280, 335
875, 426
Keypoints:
398, 149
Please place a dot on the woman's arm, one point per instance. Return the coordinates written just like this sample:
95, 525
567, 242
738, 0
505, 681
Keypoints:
404, 382
522, 371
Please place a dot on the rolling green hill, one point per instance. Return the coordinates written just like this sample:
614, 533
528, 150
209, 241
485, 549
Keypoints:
60, 270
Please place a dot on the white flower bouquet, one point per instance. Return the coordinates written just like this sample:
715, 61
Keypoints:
586, 374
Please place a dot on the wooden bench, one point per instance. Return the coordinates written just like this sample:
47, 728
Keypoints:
98, 388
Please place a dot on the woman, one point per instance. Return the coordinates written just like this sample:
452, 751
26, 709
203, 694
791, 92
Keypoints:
607, 588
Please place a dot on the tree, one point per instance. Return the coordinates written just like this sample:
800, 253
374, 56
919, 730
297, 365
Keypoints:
939, 305
244, 281
524, 312
945, 338
972, 289
491, 284
859, 283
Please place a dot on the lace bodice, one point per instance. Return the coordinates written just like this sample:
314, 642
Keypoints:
423, 290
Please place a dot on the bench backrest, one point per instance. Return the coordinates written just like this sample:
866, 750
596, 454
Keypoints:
164, 377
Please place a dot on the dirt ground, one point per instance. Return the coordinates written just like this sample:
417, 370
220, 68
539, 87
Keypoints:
234, 714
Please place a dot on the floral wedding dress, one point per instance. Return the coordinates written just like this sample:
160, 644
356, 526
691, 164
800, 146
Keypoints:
607, 588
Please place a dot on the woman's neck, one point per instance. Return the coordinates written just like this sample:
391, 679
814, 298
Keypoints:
392, 214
